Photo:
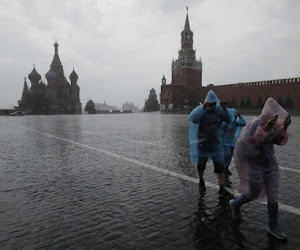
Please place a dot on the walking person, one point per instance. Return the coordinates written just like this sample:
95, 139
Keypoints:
256, 163
230, 132
204, 137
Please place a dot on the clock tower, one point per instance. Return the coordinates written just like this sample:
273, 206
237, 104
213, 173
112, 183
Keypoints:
186, 82
187, 35
187, 70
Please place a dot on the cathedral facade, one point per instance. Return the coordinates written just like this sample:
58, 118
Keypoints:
186, 91
58, 96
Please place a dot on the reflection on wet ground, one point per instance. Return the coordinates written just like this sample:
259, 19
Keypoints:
125, 181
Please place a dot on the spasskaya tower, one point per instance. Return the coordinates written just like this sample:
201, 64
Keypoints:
186, 76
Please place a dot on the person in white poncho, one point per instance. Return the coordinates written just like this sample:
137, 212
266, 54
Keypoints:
256, 163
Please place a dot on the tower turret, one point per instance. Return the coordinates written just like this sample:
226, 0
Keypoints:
73, 77
163, 81
25, 90
34, 76
50, 76
56, 65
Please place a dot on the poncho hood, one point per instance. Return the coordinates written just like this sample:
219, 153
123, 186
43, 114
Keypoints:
272, 108
211, 97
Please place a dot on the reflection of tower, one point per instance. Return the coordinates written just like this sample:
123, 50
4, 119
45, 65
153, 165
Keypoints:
213, 218
186, 75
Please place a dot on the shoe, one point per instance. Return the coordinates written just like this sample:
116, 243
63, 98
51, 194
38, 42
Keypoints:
202, 185
223, 192
277, 233
235, 213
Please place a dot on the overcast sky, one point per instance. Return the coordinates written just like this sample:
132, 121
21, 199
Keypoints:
121, 48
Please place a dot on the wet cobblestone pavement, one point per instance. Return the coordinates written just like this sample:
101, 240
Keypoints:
125, 182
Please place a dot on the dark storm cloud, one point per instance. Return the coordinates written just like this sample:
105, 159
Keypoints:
129, 44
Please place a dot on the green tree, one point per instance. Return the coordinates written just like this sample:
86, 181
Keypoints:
242, 104
90, 107
192, 100
233, 103
248, 103
266, 98
279, 100
260, 103
289, 101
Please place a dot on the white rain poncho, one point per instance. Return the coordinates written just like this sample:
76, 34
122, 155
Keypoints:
254, 153
204, 136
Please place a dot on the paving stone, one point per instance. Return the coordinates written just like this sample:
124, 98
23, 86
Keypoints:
69, 196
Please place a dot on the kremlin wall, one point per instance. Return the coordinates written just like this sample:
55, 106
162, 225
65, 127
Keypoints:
186, 91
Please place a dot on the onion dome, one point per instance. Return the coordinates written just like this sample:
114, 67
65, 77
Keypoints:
34, 75
50, 75
73, 75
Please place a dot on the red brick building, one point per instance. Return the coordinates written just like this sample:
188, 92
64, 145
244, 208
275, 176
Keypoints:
186, 91
186, 75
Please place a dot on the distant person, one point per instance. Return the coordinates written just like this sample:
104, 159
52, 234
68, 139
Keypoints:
256, 163
204, 137
230, 132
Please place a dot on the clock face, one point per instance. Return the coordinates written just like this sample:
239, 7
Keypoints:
191, 52
182, 53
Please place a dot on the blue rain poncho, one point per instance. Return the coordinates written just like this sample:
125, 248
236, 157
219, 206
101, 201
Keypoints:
230, 132
204, 130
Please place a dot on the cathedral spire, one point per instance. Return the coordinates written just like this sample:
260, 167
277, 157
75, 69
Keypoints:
56, 65
25, 90
56, 46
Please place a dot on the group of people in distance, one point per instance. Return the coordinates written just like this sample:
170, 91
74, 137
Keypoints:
216, 134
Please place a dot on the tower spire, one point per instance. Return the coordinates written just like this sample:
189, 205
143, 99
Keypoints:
187, 22
25, 90
56, 65
186, 34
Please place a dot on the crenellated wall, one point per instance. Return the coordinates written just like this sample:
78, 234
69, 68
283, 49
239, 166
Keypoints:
181, 96
279, 88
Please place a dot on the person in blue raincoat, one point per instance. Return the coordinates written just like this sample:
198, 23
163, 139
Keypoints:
230, 133
204, 137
